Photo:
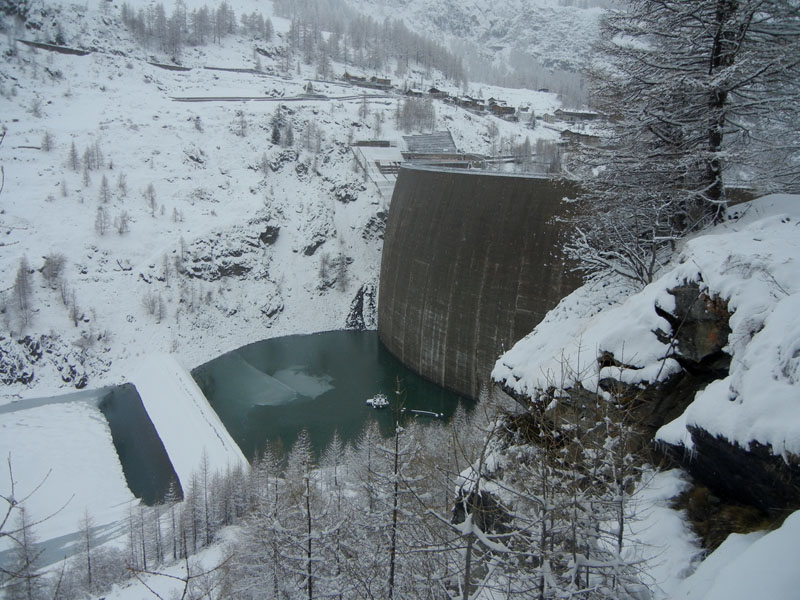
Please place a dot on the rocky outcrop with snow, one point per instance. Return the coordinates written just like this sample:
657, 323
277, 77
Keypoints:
709, 354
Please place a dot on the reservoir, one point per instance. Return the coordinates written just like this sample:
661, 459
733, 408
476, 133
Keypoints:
265, 392
271, 390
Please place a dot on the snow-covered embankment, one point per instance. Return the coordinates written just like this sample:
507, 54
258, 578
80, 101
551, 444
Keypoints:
188, 427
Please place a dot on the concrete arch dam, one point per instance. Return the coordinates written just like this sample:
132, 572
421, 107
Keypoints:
471, 263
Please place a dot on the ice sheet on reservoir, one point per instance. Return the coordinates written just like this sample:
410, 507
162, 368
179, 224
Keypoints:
245, 384
67, 448
304, 383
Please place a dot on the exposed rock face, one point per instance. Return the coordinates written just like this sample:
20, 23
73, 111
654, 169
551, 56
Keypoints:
317, 229
348, 192
19, 360
333, 272
753, 476
194, 157
375, 227
239, 253
699, 332
16, 365
212, 261
700, 328
272, 308
313, 245
659, 403
487, 512
284, 158
757, 476
301, 169
270, 235
362, 314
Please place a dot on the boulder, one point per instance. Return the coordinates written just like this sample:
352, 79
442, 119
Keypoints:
700, 328
270, 235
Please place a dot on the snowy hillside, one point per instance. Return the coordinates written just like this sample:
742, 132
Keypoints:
144, 223
137, 222
507, 34
747, 271
151, 208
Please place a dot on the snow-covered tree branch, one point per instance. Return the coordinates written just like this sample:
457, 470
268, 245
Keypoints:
700, 96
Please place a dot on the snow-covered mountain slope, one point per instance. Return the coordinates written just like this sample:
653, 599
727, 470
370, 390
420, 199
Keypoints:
190, 180
558, 36
191, 232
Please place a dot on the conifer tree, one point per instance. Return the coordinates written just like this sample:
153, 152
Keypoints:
23, 292
23, 579
701, 94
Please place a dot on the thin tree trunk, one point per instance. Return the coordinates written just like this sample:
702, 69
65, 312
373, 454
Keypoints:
393, 543
468, 564
722, 56
310, 581
144, 546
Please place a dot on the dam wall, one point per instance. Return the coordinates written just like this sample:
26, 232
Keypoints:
471, 263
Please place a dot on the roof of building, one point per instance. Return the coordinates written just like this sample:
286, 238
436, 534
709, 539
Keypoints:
436, 142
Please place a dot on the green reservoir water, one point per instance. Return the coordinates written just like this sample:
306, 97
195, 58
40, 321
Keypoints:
269, 391
144, 460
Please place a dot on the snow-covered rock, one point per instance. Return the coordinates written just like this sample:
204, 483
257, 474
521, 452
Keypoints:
743, 275
750, 263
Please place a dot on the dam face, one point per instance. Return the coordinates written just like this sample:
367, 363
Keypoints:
471, 263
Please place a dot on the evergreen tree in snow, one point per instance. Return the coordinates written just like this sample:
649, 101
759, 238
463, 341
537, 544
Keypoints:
702, 97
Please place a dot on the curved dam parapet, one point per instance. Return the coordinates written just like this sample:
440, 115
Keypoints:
471, 263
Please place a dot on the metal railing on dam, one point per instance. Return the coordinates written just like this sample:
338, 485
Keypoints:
471, 262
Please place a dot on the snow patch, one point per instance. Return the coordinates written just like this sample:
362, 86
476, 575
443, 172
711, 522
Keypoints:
76, 474
749, 566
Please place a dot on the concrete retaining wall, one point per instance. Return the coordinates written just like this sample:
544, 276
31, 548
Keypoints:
471, 263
